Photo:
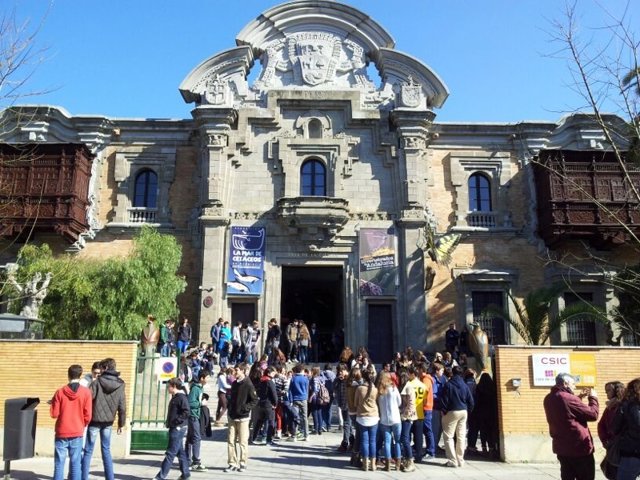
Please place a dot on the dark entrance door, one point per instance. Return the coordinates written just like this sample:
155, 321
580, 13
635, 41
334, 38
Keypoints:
243, 312
314, 294
380, 344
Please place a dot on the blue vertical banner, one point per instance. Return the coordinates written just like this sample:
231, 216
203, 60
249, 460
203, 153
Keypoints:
245, 271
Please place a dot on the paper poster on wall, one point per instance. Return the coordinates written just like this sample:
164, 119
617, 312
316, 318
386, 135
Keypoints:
378, 264
245, 272
583, 368
546, 366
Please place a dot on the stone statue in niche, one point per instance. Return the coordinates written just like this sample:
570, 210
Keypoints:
32, 292
410, 93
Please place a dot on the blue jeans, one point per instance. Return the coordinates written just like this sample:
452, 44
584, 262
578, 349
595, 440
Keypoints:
436, 424
428, 432
316, 413
194, 439
182, 346
391, 437
73, 448
629, 468
303, 353
105, 447
368, 441
405, 439
175, 449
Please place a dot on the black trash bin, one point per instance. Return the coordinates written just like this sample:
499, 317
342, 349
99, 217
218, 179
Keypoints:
20, 417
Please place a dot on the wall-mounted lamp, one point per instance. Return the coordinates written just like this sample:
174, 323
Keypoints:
210, 289
516, 382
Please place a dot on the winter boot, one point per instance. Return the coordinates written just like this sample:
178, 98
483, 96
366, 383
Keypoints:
365, 464
409, 466
398, 464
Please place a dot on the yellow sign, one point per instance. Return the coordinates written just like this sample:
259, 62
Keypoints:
583, 368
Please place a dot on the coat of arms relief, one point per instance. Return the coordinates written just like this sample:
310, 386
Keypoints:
314, 59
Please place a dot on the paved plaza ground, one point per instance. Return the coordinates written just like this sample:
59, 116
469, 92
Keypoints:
314, 459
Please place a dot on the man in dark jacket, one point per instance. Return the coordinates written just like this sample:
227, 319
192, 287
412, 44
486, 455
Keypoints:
567, 417
456, 402
108, 399
243, 399
267, 400
177, 421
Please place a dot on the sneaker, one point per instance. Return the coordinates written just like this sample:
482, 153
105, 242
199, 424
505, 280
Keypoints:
198, 468
273, 443
182, 477
304, 439
324, 429
292, 439
230, 468
450, 464
242, 468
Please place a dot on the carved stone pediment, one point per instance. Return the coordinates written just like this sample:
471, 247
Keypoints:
313, 215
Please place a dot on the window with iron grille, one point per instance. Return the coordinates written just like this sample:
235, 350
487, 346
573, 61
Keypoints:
493, 326
580, 331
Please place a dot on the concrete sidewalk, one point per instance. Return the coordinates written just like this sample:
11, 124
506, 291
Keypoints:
314, 459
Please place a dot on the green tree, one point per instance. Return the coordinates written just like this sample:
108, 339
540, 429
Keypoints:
535, 321
107, 299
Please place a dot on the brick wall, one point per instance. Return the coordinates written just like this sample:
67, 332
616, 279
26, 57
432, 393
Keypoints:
524, 433
39, 368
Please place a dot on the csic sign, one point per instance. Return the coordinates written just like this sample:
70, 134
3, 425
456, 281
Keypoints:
582, 365
547, 365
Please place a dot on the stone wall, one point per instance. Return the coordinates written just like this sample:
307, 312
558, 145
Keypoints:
524, 433
39, 368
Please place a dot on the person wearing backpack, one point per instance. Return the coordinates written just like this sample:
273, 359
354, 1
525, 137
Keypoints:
318, 399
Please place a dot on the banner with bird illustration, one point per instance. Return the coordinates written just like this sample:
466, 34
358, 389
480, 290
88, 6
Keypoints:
245, 271
378, 262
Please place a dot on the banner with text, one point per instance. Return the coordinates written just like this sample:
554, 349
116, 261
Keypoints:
378, 262
245, 271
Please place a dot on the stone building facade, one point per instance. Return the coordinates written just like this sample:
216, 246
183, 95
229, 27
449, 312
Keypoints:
335, 140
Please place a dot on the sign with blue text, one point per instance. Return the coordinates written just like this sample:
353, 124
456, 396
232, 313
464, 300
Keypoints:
245, 271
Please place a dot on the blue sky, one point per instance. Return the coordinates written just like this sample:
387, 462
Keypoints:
127, 58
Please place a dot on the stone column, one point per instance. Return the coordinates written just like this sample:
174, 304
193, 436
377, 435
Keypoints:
413, 130
215, 128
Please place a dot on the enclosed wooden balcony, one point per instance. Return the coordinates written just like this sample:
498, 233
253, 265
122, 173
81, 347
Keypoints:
586, 196
44, 188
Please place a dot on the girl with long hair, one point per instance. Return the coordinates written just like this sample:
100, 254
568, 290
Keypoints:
389, 405
367, 417
627, 425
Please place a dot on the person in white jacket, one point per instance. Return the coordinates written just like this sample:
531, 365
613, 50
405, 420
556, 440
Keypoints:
389, 402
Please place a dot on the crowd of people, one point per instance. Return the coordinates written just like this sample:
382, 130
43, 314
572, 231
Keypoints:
390, 419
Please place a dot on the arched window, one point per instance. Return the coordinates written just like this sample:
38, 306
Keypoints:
146, 191
313, 179
479, 193
315, 128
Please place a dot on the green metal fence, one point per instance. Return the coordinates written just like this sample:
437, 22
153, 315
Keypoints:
150, 402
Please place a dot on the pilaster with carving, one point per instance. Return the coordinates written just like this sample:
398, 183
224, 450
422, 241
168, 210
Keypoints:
413, 133
215, 126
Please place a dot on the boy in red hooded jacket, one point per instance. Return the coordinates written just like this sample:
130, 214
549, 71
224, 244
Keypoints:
71, 407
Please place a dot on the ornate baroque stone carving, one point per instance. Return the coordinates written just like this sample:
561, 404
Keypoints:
410, 93
313, 59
